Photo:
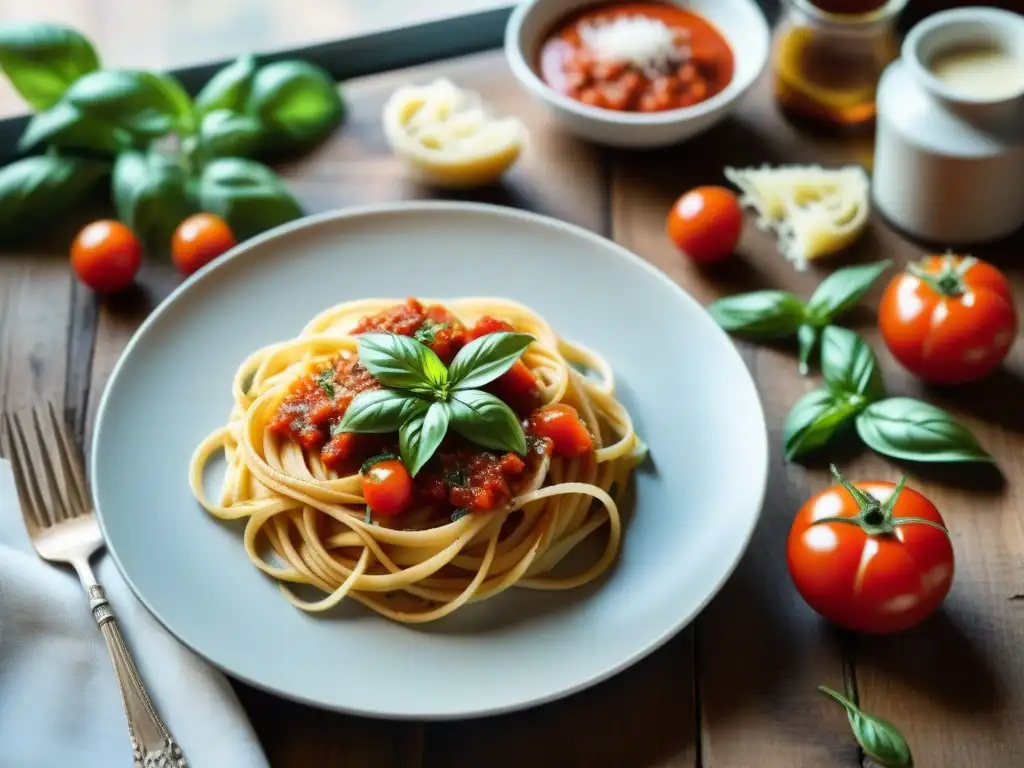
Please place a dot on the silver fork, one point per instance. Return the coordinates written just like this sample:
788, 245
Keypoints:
60, 521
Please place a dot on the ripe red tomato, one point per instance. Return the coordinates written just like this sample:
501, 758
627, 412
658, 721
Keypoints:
106, 256
387, 487
705, 223
885, 570
948, 319
561, 424
200, 239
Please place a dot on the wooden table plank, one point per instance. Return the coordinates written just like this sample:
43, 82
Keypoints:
35, 303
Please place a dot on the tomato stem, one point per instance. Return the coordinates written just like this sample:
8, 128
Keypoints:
859, 496
875, 518
919, 521
949, 280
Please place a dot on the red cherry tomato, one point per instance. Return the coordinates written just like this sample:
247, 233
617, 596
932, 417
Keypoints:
561, 424
106, 256
948, 319
387, 487
885, 570
705, 223
200, 239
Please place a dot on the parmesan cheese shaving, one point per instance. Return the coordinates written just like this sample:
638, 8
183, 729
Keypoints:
648, 44
814, 211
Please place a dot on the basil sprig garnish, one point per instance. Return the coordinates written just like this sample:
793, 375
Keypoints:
854, 395
880, 739
780, 314
424, 398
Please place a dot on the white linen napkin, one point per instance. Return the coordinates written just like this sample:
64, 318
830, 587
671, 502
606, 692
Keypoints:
59, 704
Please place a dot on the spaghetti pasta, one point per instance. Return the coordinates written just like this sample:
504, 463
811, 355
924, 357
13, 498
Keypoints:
306, 519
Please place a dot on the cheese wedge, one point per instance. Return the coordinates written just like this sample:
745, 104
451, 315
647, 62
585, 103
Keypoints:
448, 136
814, 211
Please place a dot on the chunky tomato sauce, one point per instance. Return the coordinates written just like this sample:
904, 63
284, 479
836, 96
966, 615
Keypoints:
459, 475
701, 67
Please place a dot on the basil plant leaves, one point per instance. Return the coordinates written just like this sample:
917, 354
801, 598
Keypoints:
854, 396
167, 155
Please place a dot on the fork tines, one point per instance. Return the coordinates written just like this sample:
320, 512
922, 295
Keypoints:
50, 454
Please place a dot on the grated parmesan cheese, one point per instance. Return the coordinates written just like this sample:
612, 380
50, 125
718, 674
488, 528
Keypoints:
648, 44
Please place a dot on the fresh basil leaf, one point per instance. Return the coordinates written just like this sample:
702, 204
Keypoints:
487, 421
904, 428
398, 361
814, 420
418, 438
880, 739
765, 314
247, 195
151, 197
38, 189
223, 133
64, 126
842, 289
485, 359
380, 411
42, 59
848, 364
145, 103
229, 88
297, 102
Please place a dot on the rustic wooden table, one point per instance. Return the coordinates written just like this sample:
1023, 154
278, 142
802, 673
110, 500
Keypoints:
737, 688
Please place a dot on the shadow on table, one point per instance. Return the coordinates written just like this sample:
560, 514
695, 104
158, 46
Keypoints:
944, 658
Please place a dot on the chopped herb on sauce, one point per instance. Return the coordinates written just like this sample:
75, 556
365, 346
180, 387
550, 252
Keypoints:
425, 333
369, 516
325, 380
458, 514
455, 476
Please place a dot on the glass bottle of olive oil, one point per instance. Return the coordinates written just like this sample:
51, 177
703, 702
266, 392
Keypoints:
828, 55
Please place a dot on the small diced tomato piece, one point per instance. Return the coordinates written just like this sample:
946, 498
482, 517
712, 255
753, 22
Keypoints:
518, 388
561, 424
487, 324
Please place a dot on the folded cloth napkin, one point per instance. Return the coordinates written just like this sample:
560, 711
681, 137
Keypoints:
59, 704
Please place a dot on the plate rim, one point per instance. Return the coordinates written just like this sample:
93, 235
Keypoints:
643, 649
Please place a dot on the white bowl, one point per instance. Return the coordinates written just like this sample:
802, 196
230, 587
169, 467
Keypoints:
740, 21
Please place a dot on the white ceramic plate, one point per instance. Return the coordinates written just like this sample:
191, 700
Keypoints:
689, 392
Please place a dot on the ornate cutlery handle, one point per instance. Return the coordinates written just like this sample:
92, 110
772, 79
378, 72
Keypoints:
152, 744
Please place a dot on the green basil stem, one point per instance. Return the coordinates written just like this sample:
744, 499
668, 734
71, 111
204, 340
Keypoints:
949, 282
875, 518
807, 336
880, 739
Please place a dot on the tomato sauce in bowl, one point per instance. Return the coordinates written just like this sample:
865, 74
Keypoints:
636, 57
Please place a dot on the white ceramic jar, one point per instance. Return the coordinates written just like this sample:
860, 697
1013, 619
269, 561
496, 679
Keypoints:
949, 161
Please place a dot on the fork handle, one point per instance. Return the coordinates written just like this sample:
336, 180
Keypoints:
152, 743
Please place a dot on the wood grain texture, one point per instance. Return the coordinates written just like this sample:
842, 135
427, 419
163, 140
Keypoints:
35, 301
955, 686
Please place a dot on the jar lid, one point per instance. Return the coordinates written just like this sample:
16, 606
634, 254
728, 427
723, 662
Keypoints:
850, 23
